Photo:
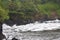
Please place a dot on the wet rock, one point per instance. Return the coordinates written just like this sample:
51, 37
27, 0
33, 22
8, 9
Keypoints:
14, 39
2, 36
9, 22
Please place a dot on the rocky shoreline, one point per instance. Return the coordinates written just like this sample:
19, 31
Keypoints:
23, 22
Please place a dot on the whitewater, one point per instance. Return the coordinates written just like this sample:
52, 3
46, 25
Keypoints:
37, 26
47, 25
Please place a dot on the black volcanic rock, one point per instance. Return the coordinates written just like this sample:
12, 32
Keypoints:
9, 22
14, 39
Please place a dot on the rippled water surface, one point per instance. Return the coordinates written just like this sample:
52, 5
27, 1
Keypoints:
46, 35
41, 36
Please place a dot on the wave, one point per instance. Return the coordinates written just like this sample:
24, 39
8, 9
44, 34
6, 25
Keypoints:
47, 25
11, 31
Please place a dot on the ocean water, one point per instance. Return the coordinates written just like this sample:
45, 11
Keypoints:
47, 30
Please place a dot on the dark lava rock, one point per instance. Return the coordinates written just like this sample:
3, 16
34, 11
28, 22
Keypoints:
14, 39
2, 36
9, 22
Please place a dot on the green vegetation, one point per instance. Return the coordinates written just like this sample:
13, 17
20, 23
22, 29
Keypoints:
3, 12
28, 9
23, 11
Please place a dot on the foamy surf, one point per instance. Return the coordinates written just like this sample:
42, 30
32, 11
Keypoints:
14, 31
49, 25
